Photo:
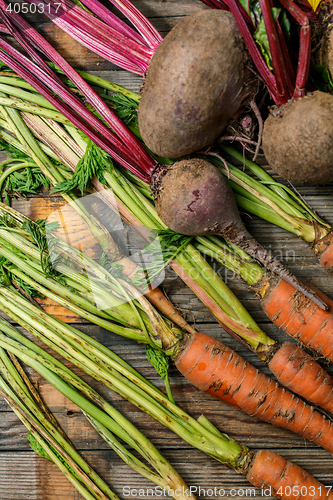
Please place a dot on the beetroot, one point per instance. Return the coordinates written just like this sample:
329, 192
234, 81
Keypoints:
298, 139
193, 198
197, 80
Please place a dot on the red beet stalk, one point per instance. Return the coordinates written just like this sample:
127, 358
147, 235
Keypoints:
121, 145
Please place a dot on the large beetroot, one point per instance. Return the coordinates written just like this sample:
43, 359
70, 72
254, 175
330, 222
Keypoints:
298, 135
197, 80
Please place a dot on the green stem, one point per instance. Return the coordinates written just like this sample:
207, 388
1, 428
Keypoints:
32, 108
32, 97
28, 141
224, 450
166, 381
11, 140
29, 348
64, 297
14, 168
270, 196
51, 433
248, 269
264, 194
13, 79
117, 310
101, 82
123, 453
46, 134
72, 470
144, 446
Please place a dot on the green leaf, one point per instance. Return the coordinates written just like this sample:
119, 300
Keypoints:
158, 360
12, 151
252, 8
125, 107
161, 362
36, 447
285, 24
261, 38
27, 181
4, 278
163, 250
94, 163
38, 237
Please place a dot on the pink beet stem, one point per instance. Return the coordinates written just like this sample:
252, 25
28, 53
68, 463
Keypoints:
139, 21
112, 20
303, 62
290, 73
109, 39
278, 63
255, 53
216, 4
106, 51
110, 50
4, 29
83, 18
66, 109
296, 12
127, 142
221, 4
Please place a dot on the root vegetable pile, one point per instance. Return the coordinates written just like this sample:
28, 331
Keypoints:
196, 80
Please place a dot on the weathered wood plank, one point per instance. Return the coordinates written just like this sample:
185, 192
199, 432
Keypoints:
28, 477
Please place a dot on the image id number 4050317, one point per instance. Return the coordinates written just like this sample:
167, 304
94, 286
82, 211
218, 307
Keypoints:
33, 7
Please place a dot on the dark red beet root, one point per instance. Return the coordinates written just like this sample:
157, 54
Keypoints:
198, 183
194, 198
197, 80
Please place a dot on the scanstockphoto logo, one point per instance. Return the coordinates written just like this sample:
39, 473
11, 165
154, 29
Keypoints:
295, 491
51, 9
198, 491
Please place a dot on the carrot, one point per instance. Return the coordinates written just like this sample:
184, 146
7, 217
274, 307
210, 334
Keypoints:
286, 480
324, 250
300, 318
294, 368
216, 369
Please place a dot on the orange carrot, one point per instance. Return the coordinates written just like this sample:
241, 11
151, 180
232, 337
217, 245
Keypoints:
300, 318
286, 480
216, 369
294, 368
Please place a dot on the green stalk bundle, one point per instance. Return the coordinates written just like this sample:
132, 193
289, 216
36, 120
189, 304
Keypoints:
134, 198
105, 419
106, 367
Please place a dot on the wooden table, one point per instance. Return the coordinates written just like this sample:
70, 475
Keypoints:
25, 476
